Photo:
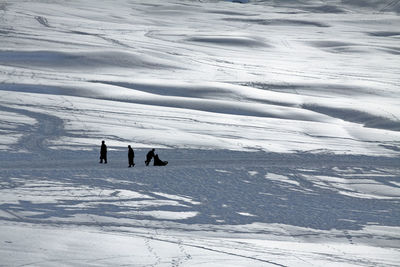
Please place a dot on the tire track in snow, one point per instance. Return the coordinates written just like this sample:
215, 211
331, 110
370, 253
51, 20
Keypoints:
225, 252
348, 237
38, 136
181, 246
186, 256
152, 251
103, 37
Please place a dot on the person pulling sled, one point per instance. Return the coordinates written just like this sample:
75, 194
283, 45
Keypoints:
149, 157
157, 161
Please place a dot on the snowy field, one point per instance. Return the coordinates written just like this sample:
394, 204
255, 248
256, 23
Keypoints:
280, 121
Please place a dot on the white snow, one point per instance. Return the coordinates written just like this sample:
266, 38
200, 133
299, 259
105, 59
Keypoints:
280, 121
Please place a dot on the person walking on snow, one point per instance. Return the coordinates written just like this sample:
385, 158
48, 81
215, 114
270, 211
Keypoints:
103, 152
131, 155
149, 156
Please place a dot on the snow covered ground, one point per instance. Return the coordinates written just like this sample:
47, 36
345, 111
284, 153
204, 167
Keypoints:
280, 121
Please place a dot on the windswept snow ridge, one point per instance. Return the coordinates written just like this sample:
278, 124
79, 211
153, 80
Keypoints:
280, 121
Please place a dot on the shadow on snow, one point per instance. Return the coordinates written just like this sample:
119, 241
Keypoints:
218, 188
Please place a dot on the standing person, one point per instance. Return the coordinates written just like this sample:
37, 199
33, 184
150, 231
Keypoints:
131, 155
103, 152
149, 156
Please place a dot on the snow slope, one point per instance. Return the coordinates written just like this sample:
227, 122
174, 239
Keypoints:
280, 120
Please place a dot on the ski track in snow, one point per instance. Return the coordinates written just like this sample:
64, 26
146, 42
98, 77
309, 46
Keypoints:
280, 124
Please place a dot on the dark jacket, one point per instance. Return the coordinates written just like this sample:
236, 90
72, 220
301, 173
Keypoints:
103, 151
150, 155
131, 154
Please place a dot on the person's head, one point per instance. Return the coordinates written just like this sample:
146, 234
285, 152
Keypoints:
129, 146
103, 142
153, 150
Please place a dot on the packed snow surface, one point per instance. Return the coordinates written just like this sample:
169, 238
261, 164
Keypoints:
280, 121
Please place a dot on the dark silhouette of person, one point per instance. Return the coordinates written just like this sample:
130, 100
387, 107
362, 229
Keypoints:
149, 156
158, 161
131, 155
103, 152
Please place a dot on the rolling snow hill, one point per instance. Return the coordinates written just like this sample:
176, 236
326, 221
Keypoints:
280, 121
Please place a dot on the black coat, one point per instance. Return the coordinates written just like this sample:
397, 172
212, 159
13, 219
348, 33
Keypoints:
131, 154
150, 155
103, 151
